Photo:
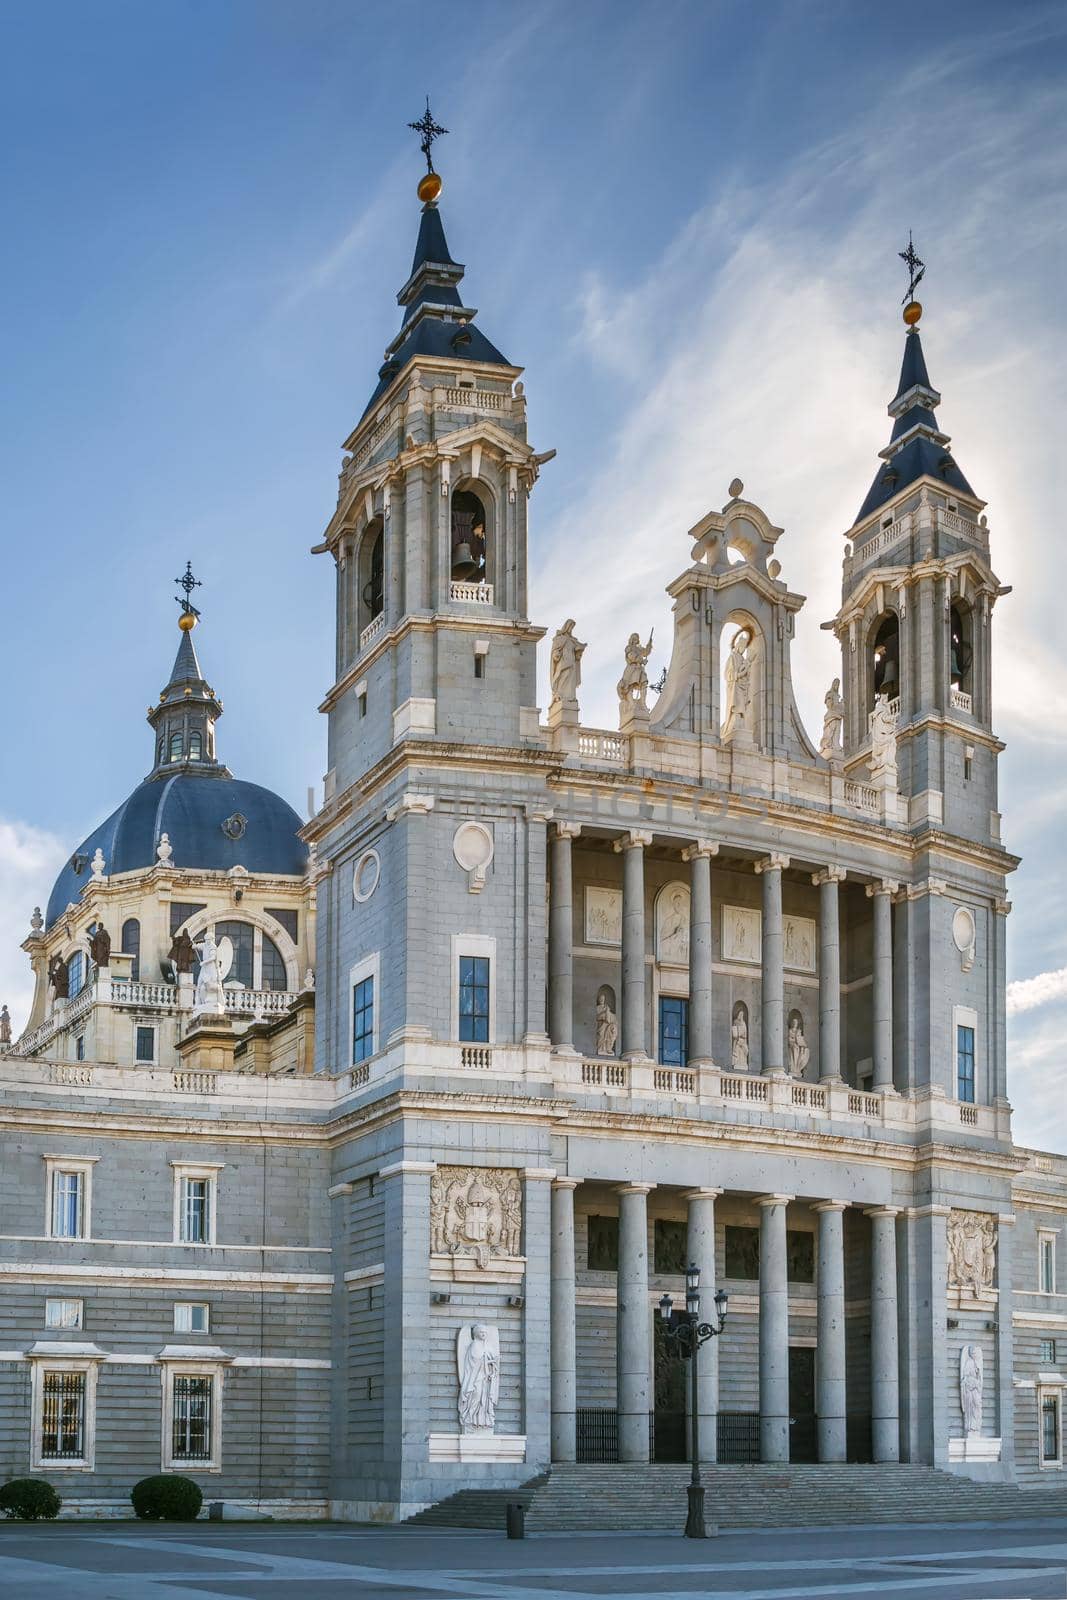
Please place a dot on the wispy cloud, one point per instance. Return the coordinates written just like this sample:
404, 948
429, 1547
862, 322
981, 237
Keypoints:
1029, 993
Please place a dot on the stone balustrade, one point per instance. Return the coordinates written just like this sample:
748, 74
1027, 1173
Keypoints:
474, 594
372, 632
597, 744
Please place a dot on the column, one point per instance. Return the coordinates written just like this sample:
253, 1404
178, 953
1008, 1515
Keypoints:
829, 973
773, 1330
773, 1045
830, 1348
632, 846
537, 1246
699, 857
535, 966
885, 1379
633, 1335
700, 1248
406, 1364
561, 937
881, 893
564, 1356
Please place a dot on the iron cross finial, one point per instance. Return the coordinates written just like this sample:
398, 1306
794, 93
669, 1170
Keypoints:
188, 583
916, 269
429, 130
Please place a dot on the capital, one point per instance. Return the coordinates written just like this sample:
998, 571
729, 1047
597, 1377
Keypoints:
565, 1183
634, 1188
829, 875
700, 847
830, 1205
635, 838
776, 861
767, 1200
567, 830
701, 1194
882, 886
883, 1211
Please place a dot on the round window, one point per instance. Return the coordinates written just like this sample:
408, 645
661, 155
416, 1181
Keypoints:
365, 876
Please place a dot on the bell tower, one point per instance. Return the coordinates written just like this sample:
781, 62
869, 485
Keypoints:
429, 534
917, 601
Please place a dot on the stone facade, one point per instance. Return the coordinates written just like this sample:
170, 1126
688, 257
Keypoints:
588, 1004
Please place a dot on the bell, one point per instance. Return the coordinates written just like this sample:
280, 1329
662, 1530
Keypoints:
889, 676
464, 566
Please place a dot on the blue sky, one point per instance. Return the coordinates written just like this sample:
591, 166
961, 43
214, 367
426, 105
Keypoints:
682, 219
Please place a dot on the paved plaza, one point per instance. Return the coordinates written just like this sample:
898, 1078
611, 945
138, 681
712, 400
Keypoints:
129, 1561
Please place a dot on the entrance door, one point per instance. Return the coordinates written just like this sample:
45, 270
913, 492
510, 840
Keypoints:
669, 1387
803, 1444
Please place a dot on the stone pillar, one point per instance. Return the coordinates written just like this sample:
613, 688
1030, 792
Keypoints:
885, 1378
773, 1330
633, 1334
881, 893
535, 1033
561, 938
405, 1296
829, 973
536, 1367
699, 857
700, 1248
564, 1358
773, 996
632, 846
830, 1349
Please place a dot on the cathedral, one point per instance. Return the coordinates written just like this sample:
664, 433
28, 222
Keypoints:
351, 1162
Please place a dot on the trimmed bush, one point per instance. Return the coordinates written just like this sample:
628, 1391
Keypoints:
167, 1497
31, 1499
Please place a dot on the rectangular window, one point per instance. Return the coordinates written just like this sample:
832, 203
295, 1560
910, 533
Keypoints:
479, 666
673, 1031
75, 973
146, 1044
363, 1019
965, 1064
1047, 1355
1050, 1429
1047, 1262
68, 1204
191, 1317
63, 1313
602, 1244
474, 999
63, 1416
194, 1214
79, 1047
191, 1417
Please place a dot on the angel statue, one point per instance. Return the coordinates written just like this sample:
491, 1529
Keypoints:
633, 685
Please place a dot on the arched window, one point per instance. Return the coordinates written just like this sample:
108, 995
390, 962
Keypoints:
374, 587
960, 649
175, 747
885, 659
274, 973
131, 945
242, 936
195, 746
469, 538
75, 974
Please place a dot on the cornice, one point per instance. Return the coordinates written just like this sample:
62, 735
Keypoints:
426, 622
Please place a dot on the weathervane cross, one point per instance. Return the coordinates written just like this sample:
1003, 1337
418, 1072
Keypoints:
916, 269
429, 130
188, 583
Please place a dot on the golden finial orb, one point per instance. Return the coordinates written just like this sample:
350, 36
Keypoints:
912, 312
429, 186
187, 621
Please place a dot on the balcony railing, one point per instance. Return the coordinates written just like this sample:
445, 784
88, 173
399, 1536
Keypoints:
476, 594
960, 701
374, 630
599, 745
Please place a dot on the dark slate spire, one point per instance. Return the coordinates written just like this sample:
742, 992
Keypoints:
184, 718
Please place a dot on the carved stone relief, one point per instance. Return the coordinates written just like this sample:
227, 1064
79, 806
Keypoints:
472, 846
476, 1211
741, 938
964, 935
603, 915
972, 1252
672, 925
798, 943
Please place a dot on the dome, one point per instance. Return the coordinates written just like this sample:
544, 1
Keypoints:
192, 809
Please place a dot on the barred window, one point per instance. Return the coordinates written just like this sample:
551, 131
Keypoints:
191, 1426
63, 1416
1048, 1352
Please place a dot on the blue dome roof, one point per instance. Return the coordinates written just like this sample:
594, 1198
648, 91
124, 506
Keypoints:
190, 808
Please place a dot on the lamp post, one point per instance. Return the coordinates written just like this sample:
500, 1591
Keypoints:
686, 1333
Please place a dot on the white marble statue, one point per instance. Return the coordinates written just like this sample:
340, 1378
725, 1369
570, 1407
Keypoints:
799, 1050
971, 1380
565, 664
738, 703
883, 738
739, 1041
163, 849
208, 995
478, 1364
632, 687
832, 723
607, 1027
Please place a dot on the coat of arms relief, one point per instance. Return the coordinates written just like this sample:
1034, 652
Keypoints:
476, 1212
972, 1254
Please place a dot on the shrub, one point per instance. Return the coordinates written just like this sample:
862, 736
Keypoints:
29, 1498
167, 1497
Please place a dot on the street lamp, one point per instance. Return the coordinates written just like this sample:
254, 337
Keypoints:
686, 1333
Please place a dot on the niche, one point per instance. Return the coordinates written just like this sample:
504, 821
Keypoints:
960, 648
469, 543
885, 658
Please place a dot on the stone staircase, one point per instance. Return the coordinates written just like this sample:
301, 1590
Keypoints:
636, 1497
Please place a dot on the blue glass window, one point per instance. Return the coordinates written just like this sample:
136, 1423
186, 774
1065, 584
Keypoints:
75, 974
175, 747
242, 936
965, 1064
274, 973
474, 999
146, 1044
363, 1020
673, 1031
131, 945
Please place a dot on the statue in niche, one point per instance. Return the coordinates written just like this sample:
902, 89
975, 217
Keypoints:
475, 1211
208, 995
971, 1383
673, 941
5, 1025
182, 953
59, 978
511, 1202
632, 687
99, 941
833, 722
736, 711
607, 1024
799, 1051
565, 664
478, 1365
883, 739
971, 1238
739, 1039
